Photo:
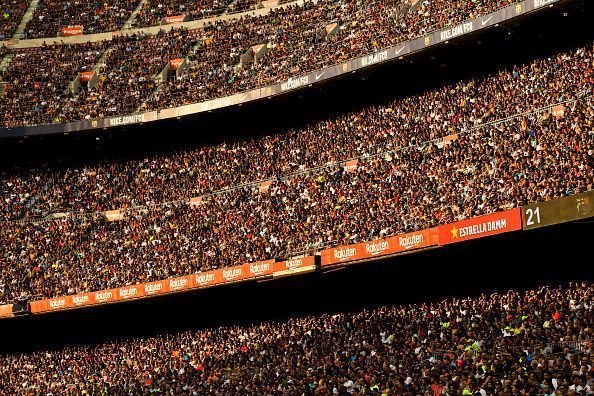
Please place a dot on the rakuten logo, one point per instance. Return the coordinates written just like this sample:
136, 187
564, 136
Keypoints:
345, 253
103, 296
128, 292
259, 268
375, 248
175, 284
293, 264
152, 288
203, 279
79, 300
57, 303
410, 241
231, 273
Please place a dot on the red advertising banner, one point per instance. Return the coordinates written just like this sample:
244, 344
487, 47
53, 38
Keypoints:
75, 30
6, 311
208, 278
196, 201
393, 245
105, 296
168, 20
114, 215
265, 186
52, 304
295, 265
128, 292
351, 166
174, 64
156, 288
478, 227
259, 269
235, 274
341, 254
450, 138
559, 111
86, 76
181, 283
81, 300
446, 140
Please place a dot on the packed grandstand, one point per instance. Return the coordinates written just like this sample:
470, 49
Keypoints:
489, 144
129, 69
536, 342
477, 146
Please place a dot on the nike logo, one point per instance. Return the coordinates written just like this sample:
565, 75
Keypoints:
319, 75
400, 50
485, 21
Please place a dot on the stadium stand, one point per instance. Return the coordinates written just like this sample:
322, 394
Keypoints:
126, 78
155, 12
472, 148
39, 79
11, 12
400, 123
136, 259
292, 41
51, 16
536, 342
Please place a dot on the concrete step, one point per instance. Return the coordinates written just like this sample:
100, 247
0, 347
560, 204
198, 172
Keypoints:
28, 15
6, 61
128, 24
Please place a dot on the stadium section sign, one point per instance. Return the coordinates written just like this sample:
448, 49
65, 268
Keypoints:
556, 211
478, 227
76, 30
295, 82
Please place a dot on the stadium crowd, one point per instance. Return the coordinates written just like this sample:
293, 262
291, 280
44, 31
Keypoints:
153, 12
298, 42
299, 39
11, 12
51, 16
523, 160
407, 178
39, 79
399, 123
127, 77
535, 342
